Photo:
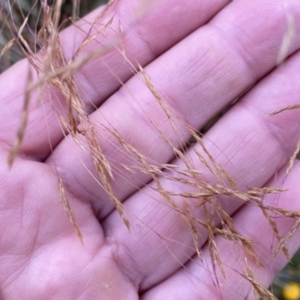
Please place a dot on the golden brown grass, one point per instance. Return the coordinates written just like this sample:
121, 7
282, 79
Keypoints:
44, 52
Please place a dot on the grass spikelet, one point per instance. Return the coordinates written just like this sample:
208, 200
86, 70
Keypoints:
275, 230
212, 245
53, 60
68, 209
191, 222
293, 158
285, 108
230, 232
283, 241
259, 290
219, 172
154, 92
104, 171
90, 37
21, 131
7, 47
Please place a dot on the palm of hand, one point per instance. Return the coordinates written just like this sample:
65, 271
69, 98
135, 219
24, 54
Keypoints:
41, 255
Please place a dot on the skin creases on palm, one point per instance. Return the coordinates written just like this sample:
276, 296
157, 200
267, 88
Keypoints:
204, 211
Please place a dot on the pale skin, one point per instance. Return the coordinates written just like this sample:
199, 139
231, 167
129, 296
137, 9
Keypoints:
198, 74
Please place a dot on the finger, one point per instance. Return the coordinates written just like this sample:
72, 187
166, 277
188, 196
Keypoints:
143, 40
201, 78
251, 223
247, 142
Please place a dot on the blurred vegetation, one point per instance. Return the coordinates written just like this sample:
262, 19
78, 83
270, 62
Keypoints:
286, 285
13, 14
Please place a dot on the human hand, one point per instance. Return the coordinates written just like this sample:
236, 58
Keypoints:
198, 75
